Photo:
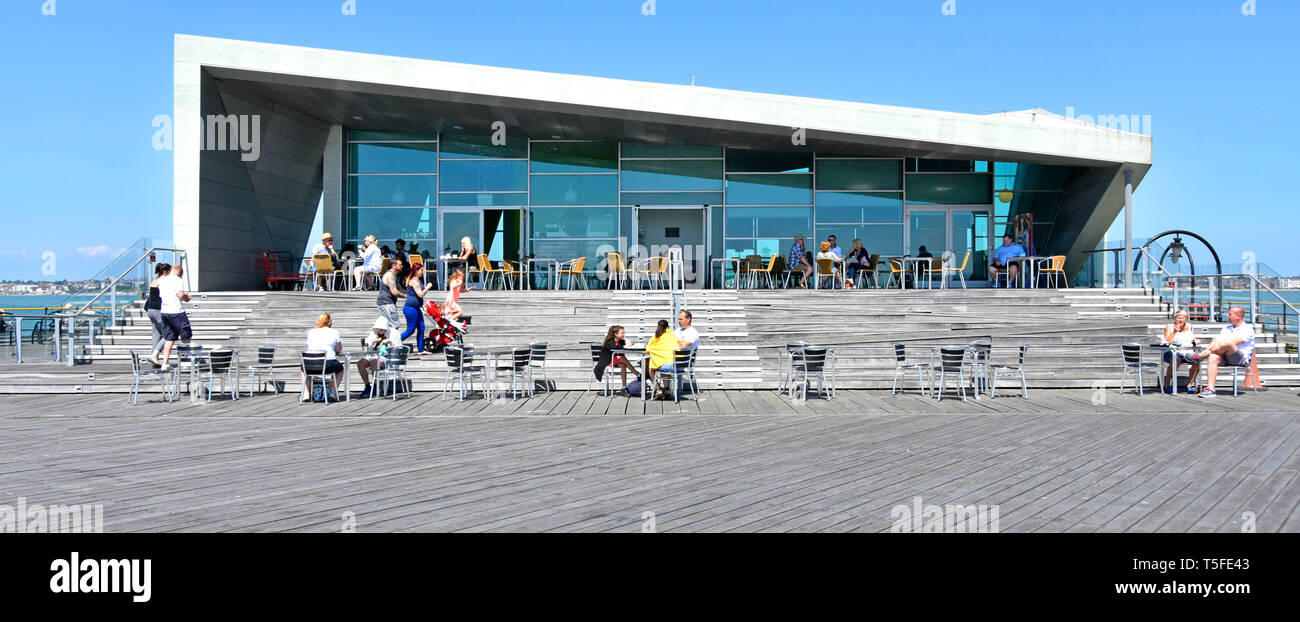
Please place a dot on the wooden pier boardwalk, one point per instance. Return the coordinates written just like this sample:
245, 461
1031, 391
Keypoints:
736, 460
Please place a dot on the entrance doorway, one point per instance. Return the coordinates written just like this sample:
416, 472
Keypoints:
660, 229
496, 233
956, 228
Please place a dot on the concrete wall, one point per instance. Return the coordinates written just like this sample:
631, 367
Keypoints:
234, 208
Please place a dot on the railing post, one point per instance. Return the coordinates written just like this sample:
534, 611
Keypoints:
58, 337
1254, 298
112, 309
72, 341
1213, 313
18, 336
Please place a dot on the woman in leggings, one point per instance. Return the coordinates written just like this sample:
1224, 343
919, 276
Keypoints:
153, 307
414, 308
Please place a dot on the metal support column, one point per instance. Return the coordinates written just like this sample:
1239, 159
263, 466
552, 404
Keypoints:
1128, 228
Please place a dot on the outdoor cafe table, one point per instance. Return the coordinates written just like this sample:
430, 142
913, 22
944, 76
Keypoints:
644, 364
193, 359
916, 270
1028, 269
446, 269
723, 261
347, 371
552, 267
493, 356
1164, 365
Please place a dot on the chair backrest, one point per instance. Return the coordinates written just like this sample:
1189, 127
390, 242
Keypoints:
387, 263
895, 264
981, 349
825, 266
875, 261
615, 262
186, 353
936, 264
220, 360
522, 357
813, 358
266, 353
454, 356
313, 362
1024, 347
577, 265
595, 352
396, 357
323, 263
791, 346
771, 264
900, 352
1058, 263
965, 261
682, 358
483, 263
659, 264
415, 260
753, 262
539, 351
952, 358
1132, 353
135, 362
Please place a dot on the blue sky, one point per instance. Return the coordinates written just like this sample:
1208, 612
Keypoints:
83, 85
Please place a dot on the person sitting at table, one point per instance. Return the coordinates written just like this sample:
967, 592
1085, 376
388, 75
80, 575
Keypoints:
660, 349
376, 341
324, 338
1002, 259
858, 259
827, 254
835, 247
614, 339
921, 252
370, 262
1179, 335
798, 259
468, 253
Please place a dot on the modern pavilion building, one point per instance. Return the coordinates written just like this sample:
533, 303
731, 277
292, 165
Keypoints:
550, 165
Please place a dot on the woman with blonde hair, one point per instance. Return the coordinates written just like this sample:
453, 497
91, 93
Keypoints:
1180, 335
324, 338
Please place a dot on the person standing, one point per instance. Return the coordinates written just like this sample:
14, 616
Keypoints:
152, 308
414, 308
175, 325
388, 295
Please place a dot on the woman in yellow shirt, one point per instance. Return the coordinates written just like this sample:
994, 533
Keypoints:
660, 349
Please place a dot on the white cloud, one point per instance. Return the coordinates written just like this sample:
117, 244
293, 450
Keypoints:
93, 251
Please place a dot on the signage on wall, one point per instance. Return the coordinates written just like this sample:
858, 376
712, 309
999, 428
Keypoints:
672, 232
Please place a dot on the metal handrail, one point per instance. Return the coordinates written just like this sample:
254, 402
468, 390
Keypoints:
112, 287
1255, 282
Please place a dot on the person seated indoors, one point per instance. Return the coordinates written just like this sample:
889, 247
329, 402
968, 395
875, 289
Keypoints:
1180, 335
614, 339
1234, 346
376, 341
1002, 260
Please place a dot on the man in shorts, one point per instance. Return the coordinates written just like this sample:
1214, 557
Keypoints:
1002, 260
1234, 346
175, 323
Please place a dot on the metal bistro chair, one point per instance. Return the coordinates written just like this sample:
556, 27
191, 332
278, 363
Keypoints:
595, 360
393, 371
460, 365
682, 372
519, 369
139, 374
896, 273
650, 274
313, 368
223, 363
902, 367
1133, 360
980, 352
767, 272
615, 270
785, 365
538, 363
960, 272
955, 361
265, 364
860, 276
928, 270
810, 362
749, 267
826, 268
325, 268
1054, 267
1248, 369
1011, 371
485, 267
573, 271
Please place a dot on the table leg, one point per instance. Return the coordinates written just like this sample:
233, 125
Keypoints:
347, 378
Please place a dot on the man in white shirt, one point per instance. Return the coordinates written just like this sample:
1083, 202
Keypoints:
686, 334
175, 323
1234, 346
835, 247
371, 261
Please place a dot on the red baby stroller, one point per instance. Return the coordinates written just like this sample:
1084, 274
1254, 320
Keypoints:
446, 331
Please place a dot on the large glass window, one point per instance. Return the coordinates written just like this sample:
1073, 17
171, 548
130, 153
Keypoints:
859, 207
883, 240
792, 189
393, 190
756, 222
844, 174
575, 190
462, 175
659, 175
574, 157
420, 158
483, 199
672, 198
643, 150
746, 161
959, 189
574, 222
391, 224
466, 146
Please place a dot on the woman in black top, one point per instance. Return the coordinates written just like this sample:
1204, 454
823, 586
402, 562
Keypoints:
468, 254
614, 340
153, 307
858, 259
414, 308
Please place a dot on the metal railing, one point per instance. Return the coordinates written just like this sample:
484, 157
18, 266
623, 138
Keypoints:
676, 281
110, 288
1281, 323
65, 331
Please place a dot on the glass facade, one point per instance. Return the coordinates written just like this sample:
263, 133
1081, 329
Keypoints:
566, 199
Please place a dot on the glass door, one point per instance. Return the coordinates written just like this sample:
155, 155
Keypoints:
454, 224
958, 229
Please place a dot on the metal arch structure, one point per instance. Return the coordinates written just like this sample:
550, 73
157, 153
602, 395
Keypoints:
1218, 265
